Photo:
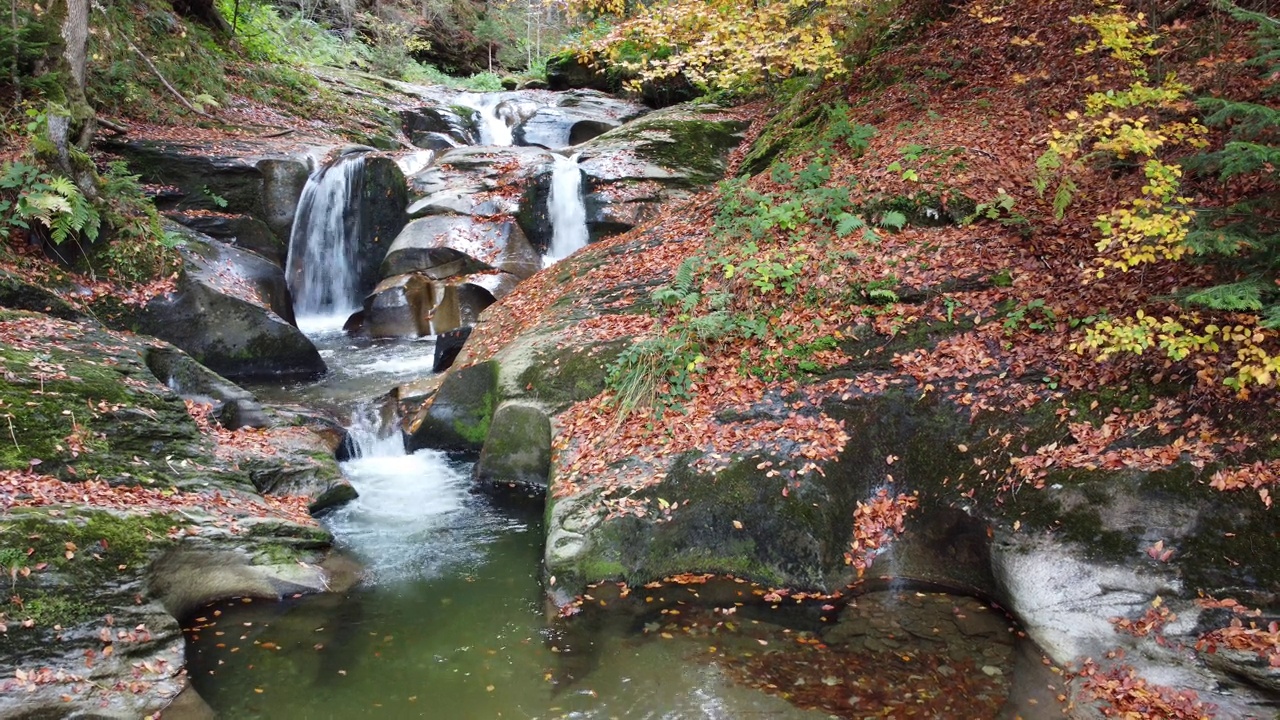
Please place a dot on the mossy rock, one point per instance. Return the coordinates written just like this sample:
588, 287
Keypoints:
517, 450
230, 312
83, 402
18, 294
559, 377
458, 416
683, 146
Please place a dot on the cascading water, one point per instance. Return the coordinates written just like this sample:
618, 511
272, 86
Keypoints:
404, 498
493, 129
323, 267
566, 210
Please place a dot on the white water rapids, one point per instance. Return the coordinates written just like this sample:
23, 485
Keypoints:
493, 129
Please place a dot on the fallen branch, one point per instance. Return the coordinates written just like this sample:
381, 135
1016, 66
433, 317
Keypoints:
185, 103
115, 127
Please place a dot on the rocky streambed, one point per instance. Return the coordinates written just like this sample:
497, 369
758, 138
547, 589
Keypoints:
701, 582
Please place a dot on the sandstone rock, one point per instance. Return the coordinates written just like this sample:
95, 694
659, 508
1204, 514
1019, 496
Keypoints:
444, 246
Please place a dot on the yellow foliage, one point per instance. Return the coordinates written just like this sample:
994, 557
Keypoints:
1184, 335
727, 44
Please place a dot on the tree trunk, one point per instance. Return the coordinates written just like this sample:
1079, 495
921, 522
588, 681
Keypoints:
72, 134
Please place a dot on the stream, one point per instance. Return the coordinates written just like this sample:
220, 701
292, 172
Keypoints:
450, 621
450, 617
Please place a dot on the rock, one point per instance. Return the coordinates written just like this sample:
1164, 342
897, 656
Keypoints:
577, 116
106, 416
458, 416
233, 406
517, 450
629, 172
239, 231
262, 179
482, 181
18, 294
227, 314
142, 415
495, 286
409, 306
448, 345
568, 70
426, 125
444, 246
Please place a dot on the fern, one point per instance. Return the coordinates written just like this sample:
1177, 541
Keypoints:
893, 219
846, 223
1241, 296
683, 281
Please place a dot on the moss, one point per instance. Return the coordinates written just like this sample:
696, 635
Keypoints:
103, 540
474, 430
47, 610
597, 569
87, 383
108, 550
694, 146
564, 376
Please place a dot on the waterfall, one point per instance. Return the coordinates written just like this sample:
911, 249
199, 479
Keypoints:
323, 267
370, 437
493, 129
567, 213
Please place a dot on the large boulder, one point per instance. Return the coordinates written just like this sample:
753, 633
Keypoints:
458, 415
569, 70
444, 246
481, 181
631, 171
230, 311
740, 487
241, 231
411, 305
439, 126
517, 450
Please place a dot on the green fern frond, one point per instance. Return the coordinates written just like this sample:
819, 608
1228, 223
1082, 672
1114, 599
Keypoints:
1235, 297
